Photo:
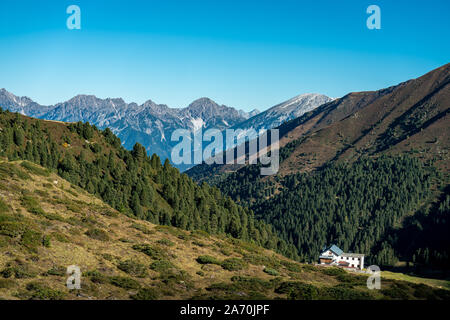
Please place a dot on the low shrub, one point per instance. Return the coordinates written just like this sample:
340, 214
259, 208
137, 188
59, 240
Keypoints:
200, 234
298, 290
233, 264
4, 208
352, 279
153, 252
340, 292
251, 283
183, 236
170, 230
46, 241
124, 282
247, 246
56, 271
11, 226
396, 291
18, 269
226, 251
74, 207
96, 277
142, 228
199, 243
109, 257
22, 272
59, 237
39, 291
332, 271
272, 272
236, 291
31, 239
145, 294
42, 193
205, 259
34, 169
7, 272
291, 266
309, 267
161, 265
423, 291
95, 147
11, 170
32, 205
166, 242
171, 277
97, 234
133, 268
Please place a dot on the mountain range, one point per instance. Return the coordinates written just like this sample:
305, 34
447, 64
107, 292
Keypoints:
152, 124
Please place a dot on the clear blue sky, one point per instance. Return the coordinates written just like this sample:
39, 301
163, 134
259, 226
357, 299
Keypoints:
242, 53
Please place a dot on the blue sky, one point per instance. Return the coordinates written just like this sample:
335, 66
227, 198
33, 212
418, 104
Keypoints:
246, 54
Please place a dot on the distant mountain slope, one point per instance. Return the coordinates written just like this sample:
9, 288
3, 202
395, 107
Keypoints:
48, 224
411, 117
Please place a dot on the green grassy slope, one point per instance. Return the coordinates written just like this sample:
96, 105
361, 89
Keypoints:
47, 224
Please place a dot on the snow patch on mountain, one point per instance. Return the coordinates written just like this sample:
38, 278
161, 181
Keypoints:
285, 111
197, 124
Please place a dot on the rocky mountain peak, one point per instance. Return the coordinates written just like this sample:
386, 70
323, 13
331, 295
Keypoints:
152, 124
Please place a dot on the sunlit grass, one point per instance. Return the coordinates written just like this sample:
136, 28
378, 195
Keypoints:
443, 284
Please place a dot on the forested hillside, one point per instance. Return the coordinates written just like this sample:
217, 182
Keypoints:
368, 171
424, 238
365, 206
130, 181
